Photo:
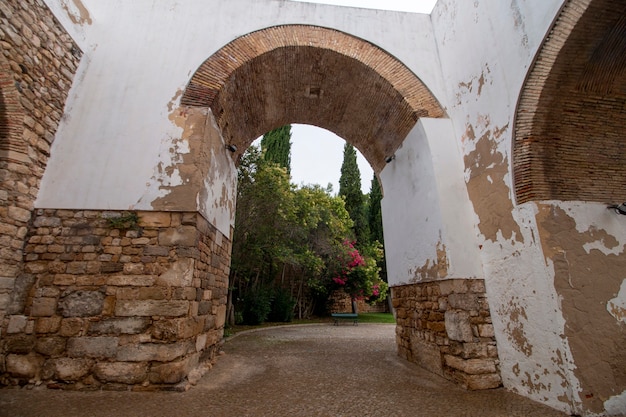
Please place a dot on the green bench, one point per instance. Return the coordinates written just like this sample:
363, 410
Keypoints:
345, 316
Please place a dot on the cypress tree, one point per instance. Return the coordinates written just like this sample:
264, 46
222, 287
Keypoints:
350, 191
276, 147
375, 218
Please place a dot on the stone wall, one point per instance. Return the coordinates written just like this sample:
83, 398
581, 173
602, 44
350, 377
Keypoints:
340, 302
38, 60
117, 300
445, 327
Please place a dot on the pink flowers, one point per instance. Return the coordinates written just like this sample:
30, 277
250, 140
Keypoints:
340, 281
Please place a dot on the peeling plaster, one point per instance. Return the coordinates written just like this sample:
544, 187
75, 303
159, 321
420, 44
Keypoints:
617, 306
433, 268
486, 173
590, 284
77, 12
616, 405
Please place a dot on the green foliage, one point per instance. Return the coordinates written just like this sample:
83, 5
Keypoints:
276, 147
350, 190
375, 218
283, 233
282, 306
257, 306
127, 220
358, 274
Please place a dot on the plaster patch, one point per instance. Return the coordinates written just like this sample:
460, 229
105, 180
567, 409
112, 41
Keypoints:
617, 306
616, 405
77, 12
432, 269
486, 174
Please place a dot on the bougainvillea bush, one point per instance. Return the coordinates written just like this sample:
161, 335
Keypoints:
358, 275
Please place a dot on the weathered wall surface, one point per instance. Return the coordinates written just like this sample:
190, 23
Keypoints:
168, 48
38, 60
425, 196
551, 270
536, 279
445, 327
117, 301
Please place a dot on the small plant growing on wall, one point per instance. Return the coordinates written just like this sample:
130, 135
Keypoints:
126, 220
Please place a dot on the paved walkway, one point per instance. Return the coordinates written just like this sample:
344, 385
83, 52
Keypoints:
313, 370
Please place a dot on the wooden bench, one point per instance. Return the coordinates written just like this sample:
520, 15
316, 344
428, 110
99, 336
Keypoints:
345, 316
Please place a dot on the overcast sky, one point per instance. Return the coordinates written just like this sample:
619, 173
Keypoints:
316, 154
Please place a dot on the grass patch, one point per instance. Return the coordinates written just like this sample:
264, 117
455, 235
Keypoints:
377, 318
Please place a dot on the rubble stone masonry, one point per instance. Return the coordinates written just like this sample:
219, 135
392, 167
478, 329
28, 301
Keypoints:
445, 327
117, 300
38, 60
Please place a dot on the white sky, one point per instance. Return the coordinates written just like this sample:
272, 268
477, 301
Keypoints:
317, 154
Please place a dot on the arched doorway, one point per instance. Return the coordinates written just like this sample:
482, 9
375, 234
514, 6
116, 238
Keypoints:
568, 157
308, 75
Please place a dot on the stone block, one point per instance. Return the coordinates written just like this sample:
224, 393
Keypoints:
117, 326
121, 372
159, 352
426, 354
72, 327
24, 366
82, 304
453, 286
486, 330
47, 324
463, 301
458, 326
67, 369
471, 366
7, 283
155, 219
220, 315
179, 236
17, 324
179, 274
167, 308
19, 214
172, 373
43, 307
20, 344
92, 347
131, 280
50, 346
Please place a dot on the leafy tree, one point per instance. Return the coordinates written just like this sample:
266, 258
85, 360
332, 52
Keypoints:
358, 274
284, 241
350, 190
276, 147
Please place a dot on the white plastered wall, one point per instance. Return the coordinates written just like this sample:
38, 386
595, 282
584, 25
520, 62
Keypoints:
486, 51
118, 147
426, 209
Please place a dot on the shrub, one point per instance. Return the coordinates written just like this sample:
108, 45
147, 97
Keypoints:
257, 306
282, 306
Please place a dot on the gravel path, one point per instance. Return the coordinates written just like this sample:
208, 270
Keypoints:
312, 370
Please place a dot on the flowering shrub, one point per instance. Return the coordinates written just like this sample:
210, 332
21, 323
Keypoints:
359, 275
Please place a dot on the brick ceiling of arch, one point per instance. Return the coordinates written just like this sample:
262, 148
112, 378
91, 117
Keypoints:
311, 75
570, 119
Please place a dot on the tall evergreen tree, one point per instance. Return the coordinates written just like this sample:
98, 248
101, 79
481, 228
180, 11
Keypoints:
350, 191
375, 218
276, 146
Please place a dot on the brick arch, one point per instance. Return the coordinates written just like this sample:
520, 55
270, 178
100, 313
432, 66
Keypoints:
11, 117
569, 131
311, 75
